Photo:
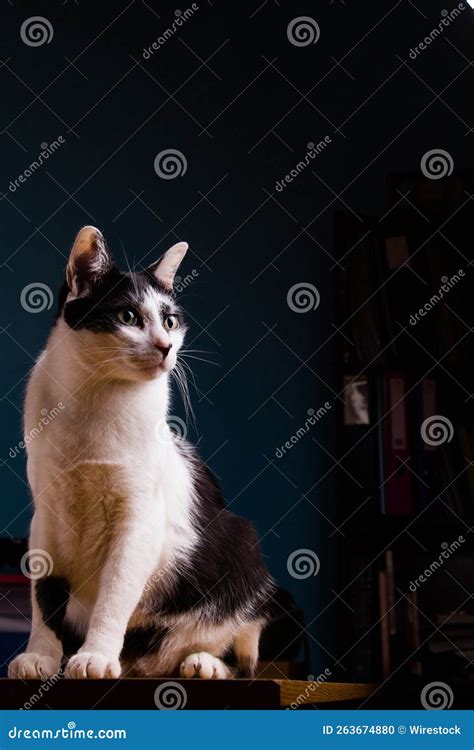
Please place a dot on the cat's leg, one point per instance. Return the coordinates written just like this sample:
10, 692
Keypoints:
246, 648
44, 652
188, 648
209, 667
129, 563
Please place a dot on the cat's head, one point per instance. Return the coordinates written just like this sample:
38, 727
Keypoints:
126, 325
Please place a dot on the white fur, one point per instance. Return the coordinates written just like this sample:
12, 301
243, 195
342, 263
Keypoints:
113, 504
205, 666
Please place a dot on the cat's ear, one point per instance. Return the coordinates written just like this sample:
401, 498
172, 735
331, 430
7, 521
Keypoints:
164, 270
89, 260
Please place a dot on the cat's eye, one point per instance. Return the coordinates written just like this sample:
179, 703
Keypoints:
171, 322
128, 317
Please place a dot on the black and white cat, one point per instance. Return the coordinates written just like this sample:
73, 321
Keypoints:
151, 575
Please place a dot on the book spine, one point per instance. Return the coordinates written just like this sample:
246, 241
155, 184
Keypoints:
398, 480
384, 623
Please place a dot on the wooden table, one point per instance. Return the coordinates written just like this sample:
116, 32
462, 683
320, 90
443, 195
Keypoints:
189, 694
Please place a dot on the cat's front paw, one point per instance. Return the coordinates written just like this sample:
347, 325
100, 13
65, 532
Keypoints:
205, 666
33, 667
93, 666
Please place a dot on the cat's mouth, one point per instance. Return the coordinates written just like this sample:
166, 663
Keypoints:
152, 369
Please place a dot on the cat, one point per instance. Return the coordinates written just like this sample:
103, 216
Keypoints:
151, 574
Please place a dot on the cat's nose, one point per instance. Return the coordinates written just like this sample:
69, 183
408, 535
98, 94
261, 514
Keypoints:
164, 349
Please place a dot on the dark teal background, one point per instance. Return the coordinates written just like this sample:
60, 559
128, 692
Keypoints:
261, 103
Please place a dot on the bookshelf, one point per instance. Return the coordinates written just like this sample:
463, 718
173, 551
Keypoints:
405, 436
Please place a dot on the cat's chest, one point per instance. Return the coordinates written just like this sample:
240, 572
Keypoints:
96, 454
93, 504
112, 425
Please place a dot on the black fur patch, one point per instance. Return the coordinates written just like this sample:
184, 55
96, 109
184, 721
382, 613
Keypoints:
115, 291
225, 573
52, 595
142, 641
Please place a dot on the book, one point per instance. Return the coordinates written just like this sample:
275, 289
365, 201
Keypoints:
392, 615
384, 623
397, 477
413, 632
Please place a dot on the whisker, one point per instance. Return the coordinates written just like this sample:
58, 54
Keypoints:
193, 379
180, 378
201, 359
